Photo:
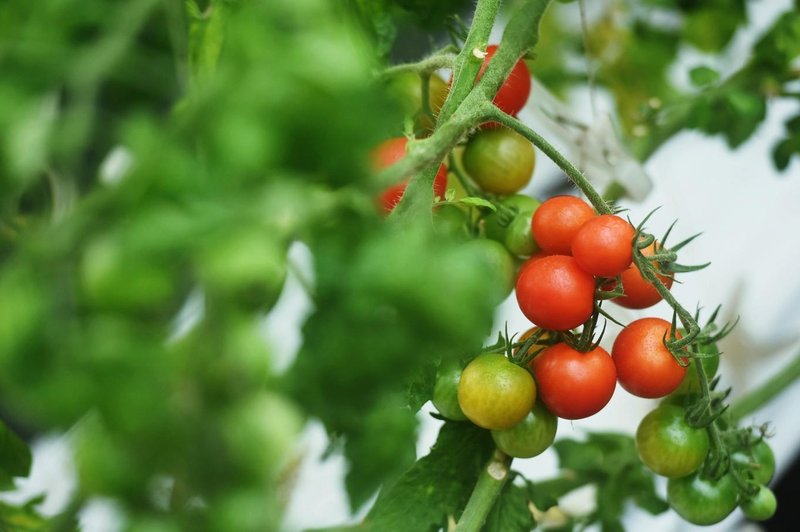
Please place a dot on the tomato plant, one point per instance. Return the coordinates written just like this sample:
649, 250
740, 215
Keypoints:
668, 445
494, 393
557, 221
531, 436
602, 245
500, 160
645, 366
702, 501
709, 357
555, 293
192, 267
574, 385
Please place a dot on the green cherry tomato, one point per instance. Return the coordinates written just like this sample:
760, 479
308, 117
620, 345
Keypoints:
501, 263
516, 235
445, 392
668, 445
759, 461
450, 221
500, 160
760, 506
702, 501
531, 436
494, 393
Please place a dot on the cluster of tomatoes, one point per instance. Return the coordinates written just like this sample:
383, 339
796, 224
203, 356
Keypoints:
565, 260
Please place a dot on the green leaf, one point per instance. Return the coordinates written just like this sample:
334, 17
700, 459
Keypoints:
438, 485
703, 75
15, 456
380, 450
478, 202
420, 389
510, 512
784, 150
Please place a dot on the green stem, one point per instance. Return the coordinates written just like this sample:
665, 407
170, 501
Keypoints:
575, 175
490, 483
427, 65
467, 65
762, 395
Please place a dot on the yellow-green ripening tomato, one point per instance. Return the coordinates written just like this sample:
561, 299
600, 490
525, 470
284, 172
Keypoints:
406, 87
494, 393
499, 160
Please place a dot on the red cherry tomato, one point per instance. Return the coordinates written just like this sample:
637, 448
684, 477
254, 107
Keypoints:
602, 246
555, 293
572, 384
556, 222
645, 367
516, 88
638, 292
388, 153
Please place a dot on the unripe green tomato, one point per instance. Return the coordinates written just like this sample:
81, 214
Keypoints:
494, 393
702, 501
668, 445
760, 462
115, 277
445, 392
516, 236
760, 506
531, 436
406, 87
247, 265
450, 221
260, 432
500, 262
500, 160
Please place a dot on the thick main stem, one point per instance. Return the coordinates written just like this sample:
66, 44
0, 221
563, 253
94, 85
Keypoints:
490, 483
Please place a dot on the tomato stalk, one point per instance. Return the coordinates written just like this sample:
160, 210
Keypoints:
574, 174
490, 483
444, 58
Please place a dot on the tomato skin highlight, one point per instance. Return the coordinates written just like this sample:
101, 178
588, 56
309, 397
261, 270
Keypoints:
388, 153
639, 293
645, 367
531, 436
555, 293
501, 161
702, 501
514, 92
668, 445
494, 393
557, 221
574, 385
603, 245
